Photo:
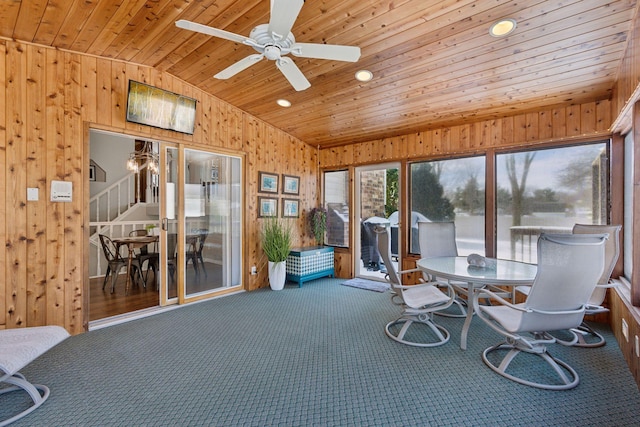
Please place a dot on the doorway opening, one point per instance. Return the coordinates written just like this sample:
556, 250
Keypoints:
377, 203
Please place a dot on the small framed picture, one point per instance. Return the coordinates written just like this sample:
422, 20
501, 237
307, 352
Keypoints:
290, 208
92, 172
290, 184
267, 206
268, 182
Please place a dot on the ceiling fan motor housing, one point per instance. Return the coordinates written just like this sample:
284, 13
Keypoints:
268, 44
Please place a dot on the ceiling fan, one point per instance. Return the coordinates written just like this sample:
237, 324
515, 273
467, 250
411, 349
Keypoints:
273, 41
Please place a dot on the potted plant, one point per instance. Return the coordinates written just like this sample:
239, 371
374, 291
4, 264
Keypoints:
318, 220
276, 244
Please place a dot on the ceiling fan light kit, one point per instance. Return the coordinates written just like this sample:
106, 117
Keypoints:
273, 41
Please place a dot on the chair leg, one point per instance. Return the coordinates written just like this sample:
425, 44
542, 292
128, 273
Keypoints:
566, 375
202, 264
583, 331
441, 334
38, 393
114, 279
106, 276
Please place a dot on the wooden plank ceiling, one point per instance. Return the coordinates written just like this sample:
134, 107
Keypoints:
434, 62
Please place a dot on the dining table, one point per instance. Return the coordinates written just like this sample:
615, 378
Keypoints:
498, 272
132, 243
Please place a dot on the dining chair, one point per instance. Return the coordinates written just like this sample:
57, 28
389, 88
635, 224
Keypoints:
418, 302
194, 252
151, 258
115, 262
569, 267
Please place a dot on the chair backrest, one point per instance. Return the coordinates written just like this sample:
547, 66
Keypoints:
109, 248
437, 239
384, 247
611, 247
569, 266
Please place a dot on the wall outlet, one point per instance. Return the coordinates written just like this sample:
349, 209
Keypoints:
625, 330
637, 342
254, 270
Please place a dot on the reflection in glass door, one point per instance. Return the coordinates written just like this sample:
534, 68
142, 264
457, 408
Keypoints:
211, 254
377, 203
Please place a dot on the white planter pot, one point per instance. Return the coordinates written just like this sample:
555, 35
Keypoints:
277, 275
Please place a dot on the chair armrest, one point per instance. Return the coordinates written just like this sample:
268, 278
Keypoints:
413, 270
577, 311
607, 285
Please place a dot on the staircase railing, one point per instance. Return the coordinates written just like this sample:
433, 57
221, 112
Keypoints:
114, 200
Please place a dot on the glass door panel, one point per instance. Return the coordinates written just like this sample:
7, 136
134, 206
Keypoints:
212, 222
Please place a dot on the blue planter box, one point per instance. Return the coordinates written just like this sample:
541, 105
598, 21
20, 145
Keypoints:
313, 262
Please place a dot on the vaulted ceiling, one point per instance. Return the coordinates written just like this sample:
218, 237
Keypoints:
434, 62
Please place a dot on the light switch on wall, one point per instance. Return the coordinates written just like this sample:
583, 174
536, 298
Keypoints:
32, 194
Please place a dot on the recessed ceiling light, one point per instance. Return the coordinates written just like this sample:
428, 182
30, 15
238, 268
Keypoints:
502, 27
364, 75
283, 103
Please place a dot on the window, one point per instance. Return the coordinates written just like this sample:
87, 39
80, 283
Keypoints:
627, 238
450, 190
336, 201
548, 190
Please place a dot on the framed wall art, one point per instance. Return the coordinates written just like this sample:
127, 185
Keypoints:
290, 208
268, 182
267, 206
290, 184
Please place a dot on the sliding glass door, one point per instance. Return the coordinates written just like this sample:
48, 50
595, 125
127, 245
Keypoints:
202, 224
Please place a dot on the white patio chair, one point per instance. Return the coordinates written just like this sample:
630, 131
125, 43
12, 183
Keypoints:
418, 303
18, 348
437, 239
569, 267
587, 336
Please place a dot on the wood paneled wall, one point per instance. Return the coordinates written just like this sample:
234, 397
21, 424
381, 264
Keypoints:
563, 123
50, 98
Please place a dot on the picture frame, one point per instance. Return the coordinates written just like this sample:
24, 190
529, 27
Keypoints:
290, 208
267, 207
268, 182
92, 172
290, 184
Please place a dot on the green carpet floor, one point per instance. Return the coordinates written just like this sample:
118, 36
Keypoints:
310, 356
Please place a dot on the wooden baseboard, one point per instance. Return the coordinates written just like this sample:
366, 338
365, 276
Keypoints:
623, 313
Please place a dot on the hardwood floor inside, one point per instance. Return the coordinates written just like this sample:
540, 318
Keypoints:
103, 303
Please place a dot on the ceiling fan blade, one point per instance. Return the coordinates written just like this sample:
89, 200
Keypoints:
292, 73
326, 51
204, 29
241, 65
283, 15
